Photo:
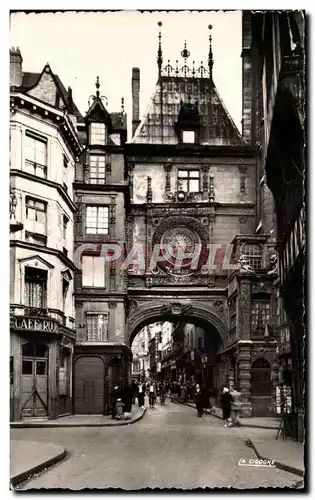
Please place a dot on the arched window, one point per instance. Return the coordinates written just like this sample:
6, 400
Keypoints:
261, 378
253, 254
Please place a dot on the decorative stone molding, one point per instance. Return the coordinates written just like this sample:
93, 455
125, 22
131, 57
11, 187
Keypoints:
168, 169
149, 190
108, 173
243, 176
130, 169
151, 310
112, 276
211, 189
205, 183
244, 309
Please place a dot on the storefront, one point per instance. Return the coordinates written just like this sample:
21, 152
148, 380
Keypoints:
40, 368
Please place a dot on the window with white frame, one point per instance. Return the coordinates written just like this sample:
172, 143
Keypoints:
253, 254
188, 136
36, 215
96, 219
35, 287
97, 327
98, 134
97, 169
35, 150
188, 181
93, 271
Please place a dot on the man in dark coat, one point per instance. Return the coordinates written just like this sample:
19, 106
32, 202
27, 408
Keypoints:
115, 394
199, 400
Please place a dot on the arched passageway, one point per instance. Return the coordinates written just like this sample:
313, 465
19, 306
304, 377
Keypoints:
192, 352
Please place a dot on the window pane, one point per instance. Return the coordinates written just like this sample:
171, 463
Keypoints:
188, 136
41, 368
87, 270
97, 220
193, 186
98, 133
182, 173
194, 173
27, 367
99, 271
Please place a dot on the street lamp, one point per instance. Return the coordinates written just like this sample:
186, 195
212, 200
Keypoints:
14, 225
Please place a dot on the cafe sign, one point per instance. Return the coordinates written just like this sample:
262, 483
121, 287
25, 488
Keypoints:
41, 325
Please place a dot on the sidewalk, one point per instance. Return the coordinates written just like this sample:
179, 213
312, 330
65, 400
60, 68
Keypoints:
288, 455
81, 421
37, 456
256, 422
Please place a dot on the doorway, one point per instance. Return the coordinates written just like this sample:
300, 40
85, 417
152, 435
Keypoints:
34, 390
89, 385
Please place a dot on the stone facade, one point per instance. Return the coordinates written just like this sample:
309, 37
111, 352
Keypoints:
43, 149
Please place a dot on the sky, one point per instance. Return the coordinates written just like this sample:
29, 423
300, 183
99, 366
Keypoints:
81, 45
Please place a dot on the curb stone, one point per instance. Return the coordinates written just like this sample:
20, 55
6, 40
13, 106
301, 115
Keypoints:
23, 476
254, 426
279, 465
52, 424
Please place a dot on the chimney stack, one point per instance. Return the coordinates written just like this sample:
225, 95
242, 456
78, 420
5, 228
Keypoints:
135, 88
16, 74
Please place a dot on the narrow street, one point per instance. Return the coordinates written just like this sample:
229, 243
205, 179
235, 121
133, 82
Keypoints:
169, 447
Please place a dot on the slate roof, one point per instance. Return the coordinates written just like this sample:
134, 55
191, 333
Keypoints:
216, 125
29, 81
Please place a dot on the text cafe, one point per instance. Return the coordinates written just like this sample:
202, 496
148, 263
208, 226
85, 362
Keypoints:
37, 324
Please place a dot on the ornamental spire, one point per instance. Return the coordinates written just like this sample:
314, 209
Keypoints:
210, 57
160, 56
97, 85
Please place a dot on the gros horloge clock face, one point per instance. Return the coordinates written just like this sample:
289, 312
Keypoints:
178, 243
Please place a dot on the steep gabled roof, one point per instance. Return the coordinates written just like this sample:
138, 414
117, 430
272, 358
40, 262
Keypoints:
31, 80
216, 125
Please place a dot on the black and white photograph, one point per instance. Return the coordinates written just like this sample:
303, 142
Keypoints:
157, 260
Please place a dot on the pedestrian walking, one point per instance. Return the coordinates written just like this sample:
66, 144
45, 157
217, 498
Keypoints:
162, 393
152, 394
141, 391
127, 400
226, 401
198, 400
115, 394
235, 407
119, 409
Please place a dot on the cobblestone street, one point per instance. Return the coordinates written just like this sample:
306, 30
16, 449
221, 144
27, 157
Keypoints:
169, 447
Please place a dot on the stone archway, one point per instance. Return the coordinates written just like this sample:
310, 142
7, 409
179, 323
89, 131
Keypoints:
192, 311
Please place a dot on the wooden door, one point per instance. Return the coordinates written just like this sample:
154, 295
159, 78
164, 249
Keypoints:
34, 387
89, 385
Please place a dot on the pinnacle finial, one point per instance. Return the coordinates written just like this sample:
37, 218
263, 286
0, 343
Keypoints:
97, 85
185, 53
210, 57
160, 56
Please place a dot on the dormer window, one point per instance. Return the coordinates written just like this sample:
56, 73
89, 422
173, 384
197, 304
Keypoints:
98, 134
188, 136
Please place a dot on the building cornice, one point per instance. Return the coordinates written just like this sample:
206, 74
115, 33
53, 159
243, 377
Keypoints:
61, 118
196, 150
61, 190
44, 250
